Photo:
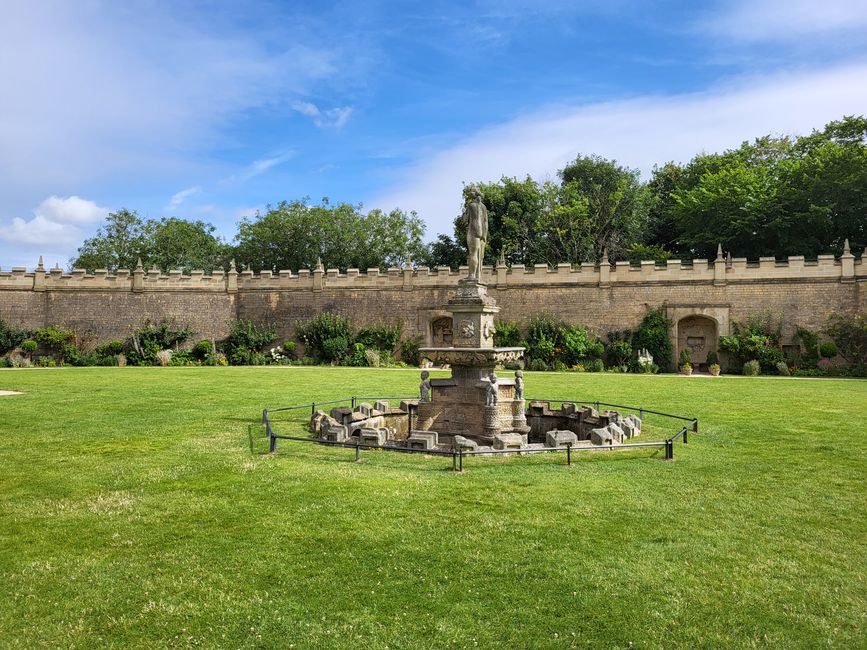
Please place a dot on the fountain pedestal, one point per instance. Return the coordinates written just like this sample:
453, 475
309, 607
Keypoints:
465, 404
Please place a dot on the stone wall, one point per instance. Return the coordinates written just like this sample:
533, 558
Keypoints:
602, 298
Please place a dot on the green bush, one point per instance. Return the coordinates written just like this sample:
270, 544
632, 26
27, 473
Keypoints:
712, 358
246, 341
752, 368
358, 357
809, 340
409, 350
594, 365
202, 349
685, 356
619, 353
550, 340
289, 348
783, 369
828, 349
150, 338
327, 335
507, 335
29, 346
58, 340
537, 365
849, 333
380, 336
10, 337
652, 335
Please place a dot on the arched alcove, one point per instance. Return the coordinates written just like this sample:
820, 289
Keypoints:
698, 334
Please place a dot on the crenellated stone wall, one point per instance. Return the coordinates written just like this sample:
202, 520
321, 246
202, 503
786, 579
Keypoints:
602, 298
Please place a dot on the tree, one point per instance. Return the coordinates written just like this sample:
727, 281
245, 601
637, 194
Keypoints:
117, 244
186, 245
295, 235
444, 251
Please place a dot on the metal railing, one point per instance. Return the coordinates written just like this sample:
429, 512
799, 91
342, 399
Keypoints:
457, 454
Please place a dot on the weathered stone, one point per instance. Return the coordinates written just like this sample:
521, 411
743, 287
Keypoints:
376, 437
601, 437
510, 441
422, 440
628, 427
341, 413
316, 421
459, 442
382, 406
336, 433
616, 432
559, 438
364, 408
567, 408
407, 404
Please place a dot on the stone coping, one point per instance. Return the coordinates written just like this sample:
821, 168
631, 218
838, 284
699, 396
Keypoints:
3, 393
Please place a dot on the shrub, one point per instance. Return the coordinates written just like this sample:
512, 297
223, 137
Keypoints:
374, 358
358, 357
58, 340
327, 335
783, 369
712, 358
828, 349
289, 348
164, 357
10, 337
202, 349
849, 333
409, 350
537, 365
594, 365
380, 336
507, 335
619, 353
150, 338
685, 357
243, 346
29, 346
652, 335
809, 340
120, 359
752, 368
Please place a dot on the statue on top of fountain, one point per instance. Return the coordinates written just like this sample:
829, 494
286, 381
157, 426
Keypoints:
475, 216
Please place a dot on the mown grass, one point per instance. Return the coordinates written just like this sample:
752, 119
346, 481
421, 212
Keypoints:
133, 514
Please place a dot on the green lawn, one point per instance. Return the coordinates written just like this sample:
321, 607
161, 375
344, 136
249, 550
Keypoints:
133, 514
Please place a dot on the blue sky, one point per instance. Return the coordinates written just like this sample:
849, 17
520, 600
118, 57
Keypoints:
211, 110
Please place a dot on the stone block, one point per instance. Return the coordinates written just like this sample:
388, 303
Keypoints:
613, 416
568, 408
407, 404
364, 408
358, 416
336, 433
616, 432
316, 421
341, 413
382, 406
601, 437
376, 437
422, 440
628, 427
510, 441
559, 438
459, 442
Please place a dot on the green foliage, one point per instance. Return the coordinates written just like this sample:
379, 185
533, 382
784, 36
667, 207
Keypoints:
685, 356
328, 336
358, 357
29, 346
10, 337
828, 349
59, 341
652, 335
202, 349
594, 365
409, 350
444, 251
712, 358
246, 342
554, 341
809, 340
150, 338
752, 368
849, 333
507, 334
295, 235
640, 252
619, 353
380, 336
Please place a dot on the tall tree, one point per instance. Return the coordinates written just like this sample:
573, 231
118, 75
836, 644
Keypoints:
117, 244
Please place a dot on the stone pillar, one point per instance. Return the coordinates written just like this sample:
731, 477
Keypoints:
502, 270
232, 278
138, 277
407, 275
318, 272
605, 270
719, 268
847, 264
39, 276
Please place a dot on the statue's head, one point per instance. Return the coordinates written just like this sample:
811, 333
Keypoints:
519, 373
425, 374
475, 194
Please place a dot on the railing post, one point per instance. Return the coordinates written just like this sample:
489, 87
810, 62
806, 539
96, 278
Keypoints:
358, 450
353, 402
641, 414
695, 425
264, 415
460, 459
312, 408
272, 442
569, 454
454, 459
669, 449
685, 431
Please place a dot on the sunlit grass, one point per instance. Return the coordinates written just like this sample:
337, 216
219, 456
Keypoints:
132, 513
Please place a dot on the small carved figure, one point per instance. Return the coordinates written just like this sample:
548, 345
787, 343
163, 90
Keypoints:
424, 387
488, 330
467, 329
476, 217
519, 384
491, 390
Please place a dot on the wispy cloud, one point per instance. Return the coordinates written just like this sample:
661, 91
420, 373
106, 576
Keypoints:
258, 167
786, 20
179, 197
638, 133
331, 118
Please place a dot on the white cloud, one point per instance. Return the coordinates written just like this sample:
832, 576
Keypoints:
72, 209
179, 197
331, 118
783, 20
638, 133
258, 167
55, 222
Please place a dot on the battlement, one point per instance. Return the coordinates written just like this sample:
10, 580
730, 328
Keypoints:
720, 272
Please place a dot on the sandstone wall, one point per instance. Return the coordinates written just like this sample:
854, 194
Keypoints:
601, 298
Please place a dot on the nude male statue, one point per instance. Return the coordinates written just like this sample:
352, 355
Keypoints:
476, 217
